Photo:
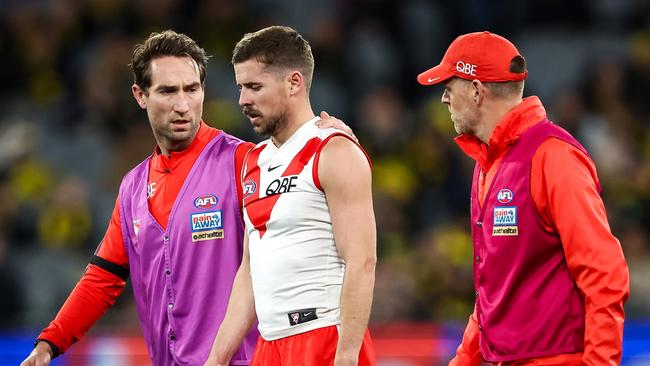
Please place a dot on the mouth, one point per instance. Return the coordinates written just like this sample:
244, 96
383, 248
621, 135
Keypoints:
251, 114
180, 123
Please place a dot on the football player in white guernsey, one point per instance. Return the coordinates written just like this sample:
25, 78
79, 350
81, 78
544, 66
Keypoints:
308, 270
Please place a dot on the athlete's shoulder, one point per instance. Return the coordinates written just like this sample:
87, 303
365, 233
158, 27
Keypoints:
325, 133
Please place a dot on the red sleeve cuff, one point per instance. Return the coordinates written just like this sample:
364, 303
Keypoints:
92, 296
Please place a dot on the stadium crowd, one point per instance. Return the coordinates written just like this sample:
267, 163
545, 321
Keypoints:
69, 128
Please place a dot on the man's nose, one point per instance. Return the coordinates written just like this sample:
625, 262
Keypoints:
181, 105
445, 97
244, 98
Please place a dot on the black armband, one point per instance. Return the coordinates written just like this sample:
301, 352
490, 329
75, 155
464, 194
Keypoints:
111, 267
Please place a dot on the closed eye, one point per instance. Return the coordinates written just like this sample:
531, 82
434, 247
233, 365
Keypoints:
193, 87
166, 89
252, 86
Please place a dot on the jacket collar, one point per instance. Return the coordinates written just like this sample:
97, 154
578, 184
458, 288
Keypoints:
519, 119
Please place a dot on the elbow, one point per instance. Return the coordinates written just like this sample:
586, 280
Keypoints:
370, 264
619, 279
625, 282
364, 265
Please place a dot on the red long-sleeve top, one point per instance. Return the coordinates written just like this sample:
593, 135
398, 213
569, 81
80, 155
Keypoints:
105, 278
563, 188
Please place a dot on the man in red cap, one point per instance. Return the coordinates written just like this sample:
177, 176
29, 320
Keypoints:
550, 278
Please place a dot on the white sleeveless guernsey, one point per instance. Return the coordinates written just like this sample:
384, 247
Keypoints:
296, 270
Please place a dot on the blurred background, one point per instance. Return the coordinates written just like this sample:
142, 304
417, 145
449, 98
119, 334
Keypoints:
69, 130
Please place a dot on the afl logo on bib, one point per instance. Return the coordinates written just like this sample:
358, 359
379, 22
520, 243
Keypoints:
205, 201
505, 196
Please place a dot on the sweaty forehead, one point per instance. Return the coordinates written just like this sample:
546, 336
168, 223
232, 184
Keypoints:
170, 70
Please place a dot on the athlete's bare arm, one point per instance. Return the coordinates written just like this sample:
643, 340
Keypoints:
239, 318
344, 173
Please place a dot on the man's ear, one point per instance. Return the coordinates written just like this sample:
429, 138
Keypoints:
478, 91
296, 82
139, 95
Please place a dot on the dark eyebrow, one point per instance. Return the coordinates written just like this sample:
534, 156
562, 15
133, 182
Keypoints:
193, 85
167, 88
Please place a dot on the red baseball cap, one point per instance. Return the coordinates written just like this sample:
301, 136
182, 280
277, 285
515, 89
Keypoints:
482, 56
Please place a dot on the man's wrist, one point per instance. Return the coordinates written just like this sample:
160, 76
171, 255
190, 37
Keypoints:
346, 352
49, 347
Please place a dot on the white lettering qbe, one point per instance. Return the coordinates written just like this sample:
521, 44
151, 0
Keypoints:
466, 68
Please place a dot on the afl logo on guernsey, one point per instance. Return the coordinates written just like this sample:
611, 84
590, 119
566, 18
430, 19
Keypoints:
505, 195
205, 201
249, 188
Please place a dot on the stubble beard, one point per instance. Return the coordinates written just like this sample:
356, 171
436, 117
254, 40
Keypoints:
465, 122
175, 140
272, 127
459, 126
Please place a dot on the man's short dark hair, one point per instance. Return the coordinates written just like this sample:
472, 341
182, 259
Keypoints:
165, 43
277, 47
510, 88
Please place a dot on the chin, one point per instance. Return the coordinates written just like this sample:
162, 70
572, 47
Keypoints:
261, 131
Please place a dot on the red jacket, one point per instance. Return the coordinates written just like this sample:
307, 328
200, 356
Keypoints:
563, 188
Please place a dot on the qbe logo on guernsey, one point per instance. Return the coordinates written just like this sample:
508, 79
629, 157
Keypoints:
206, 226
505, 221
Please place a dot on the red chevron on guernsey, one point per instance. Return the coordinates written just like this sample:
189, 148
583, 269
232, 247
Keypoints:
252, 173
259, 209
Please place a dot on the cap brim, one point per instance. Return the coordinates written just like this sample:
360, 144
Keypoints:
434, 75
